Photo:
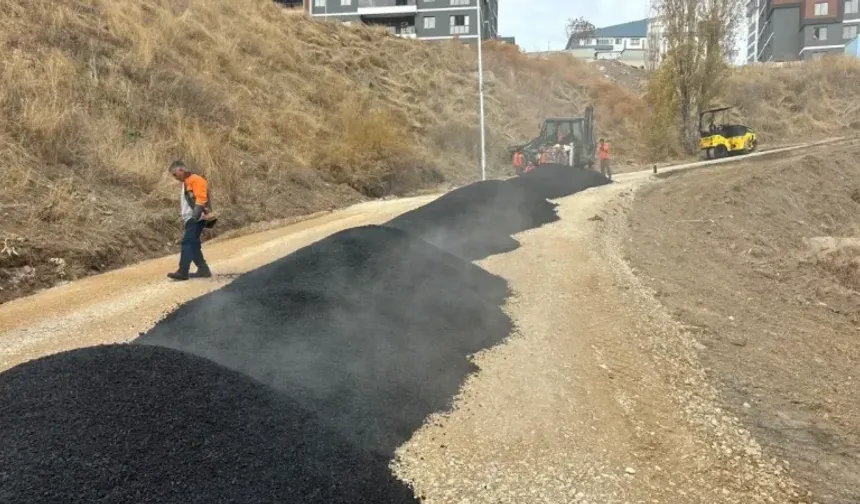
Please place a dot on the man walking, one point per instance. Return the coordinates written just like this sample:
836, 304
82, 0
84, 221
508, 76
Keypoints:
196, 207
603, 156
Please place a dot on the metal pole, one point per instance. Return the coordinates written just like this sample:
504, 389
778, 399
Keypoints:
481, 94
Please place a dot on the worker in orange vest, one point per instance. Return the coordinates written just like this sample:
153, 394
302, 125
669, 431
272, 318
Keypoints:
196, 212
603, 156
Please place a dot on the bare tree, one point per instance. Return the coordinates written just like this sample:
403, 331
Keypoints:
579, 29
699, 42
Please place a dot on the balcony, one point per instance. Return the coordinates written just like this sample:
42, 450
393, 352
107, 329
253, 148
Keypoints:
386, 7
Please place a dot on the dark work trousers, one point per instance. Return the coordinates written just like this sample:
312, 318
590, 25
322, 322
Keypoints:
192, 250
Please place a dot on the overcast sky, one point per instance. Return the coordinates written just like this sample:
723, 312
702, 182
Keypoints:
539, 24
536, 23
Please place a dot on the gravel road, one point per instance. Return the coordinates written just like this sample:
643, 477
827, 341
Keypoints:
597, 396
119, 305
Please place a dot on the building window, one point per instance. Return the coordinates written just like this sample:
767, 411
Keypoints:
635, 42
852, 6
459, 24
849, 32
429, 23
604, 41
460, 2
821, 8
319, 3
819, 33
618, 41
345, 2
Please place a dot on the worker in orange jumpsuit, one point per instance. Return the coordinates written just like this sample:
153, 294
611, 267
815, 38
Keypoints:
196, 213
603, 156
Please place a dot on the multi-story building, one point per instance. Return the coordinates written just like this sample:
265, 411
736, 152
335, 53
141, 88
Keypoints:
421, 19
656, 45
755, 23
789, 30
627, 42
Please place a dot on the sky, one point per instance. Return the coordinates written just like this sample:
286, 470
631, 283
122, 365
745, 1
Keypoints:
538, 24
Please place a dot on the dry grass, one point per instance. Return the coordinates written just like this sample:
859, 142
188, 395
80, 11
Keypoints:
814, 99
284, 115
784, 104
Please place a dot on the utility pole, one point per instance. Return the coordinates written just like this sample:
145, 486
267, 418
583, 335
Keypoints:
481, 93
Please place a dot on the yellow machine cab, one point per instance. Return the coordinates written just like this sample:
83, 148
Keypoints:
718, 138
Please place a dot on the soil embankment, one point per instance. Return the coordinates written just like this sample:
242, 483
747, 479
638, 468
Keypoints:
760, 261
89, 123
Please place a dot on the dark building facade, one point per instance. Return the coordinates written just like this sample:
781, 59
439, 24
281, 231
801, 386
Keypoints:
420, 19
790, 30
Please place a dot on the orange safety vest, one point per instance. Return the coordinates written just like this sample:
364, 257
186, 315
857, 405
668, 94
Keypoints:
603, 151
518, 159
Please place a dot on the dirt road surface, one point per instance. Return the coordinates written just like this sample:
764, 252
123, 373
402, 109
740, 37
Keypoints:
598, 397
761, 261
117, 306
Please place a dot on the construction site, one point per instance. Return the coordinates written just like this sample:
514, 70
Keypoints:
383, 326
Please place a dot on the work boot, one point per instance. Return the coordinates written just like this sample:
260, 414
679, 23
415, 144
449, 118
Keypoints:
201, 274
177, 276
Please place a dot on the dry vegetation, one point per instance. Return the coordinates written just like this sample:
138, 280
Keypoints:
762, 262
816, 99
807, 101
284, 115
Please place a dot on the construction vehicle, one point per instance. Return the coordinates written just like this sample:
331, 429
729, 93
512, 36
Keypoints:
719, 139
562, 140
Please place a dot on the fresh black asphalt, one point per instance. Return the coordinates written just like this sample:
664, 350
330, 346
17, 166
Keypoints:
479, 220
130, 424
370, 328
361, 336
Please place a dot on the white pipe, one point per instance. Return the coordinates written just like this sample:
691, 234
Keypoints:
481, 94
571, 153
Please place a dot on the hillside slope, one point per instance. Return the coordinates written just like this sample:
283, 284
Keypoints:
284, 115
761, 262
798, 102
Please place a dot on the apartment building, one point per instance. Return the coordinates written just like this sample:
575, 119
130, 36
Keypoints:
420, 19
789, 30
626, 42
754, 14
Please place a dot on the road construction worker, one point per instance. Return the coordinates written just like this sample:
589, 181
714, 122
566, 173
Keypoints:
196, 213
603, 156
